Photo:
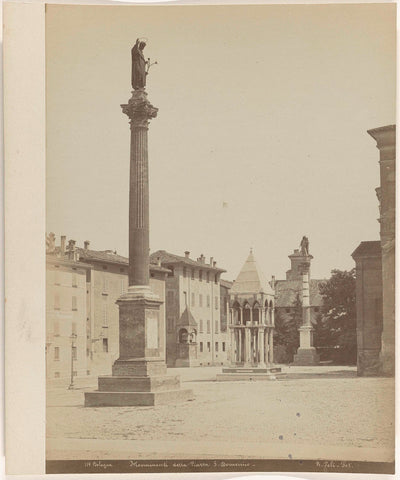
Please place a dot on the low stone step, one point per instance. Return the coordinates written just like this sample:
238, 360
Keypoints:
132, 399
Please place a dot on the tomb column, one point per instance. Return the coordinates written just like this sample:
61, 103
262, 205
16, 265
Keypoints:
262, 313
261, 346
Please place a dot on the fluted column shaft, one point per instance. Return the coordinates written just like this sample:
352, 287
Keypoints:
140, 111
139, 208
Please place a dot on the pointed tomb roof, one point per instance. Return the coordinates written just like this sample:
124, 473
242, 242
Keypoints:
251, 279
187, 319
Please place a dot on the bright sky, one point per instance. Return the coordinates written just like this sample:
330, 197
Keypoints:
261, 133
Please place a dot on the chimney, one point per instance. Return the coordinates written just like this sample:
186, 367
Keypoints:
211, 260
273, 282
86, 244
63, 240
214, 264
187, 253
71, 250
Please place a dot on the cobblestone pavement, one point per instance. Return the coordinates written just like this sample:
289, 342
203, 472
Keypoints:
315, 412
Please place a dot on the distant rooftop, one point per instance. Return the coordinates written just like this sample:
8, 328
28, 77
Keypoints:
368, 248
286, 292
169, 258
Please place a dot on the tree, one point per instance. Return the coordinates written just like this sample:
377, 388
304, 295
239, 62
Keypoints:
287, 330
336, 326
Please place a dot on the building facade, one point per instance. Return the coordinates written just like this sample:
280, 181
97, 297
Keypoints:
67, 346
375, 271
82, 286
195, 334
368, 260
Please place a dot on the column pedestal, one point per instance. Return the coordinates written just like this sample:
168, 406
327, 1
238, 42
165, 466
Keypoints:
306, 353
139, 375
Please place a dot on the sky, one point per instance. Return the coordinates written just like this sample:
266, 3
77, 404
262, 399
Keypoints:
261, 135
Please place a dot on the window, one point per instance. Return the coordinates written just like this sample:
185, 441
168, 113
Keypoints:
122, 270
223, 346
56, 353
225, 305
104, 267
216, 278
192, 299
200, 300
216, 346
208, 346
123, 286
56, 302
74, 281
208, 300
74, 353
56, 327
316, 309
56, 374
208, 277
171, 271
192, 273
208, 326
216, 326
201, 326
87, 353
74, 303
216, 303
184, 272
105, 345
74, 328
87, 372
201, 347
105, 315
200, 275
287, 310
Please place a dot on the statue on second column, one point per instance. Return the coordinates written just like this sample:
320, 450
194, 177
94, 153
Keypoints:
304, 246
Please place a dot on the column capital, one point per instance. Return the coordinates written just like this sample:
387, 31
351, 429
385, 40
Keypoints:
139, 109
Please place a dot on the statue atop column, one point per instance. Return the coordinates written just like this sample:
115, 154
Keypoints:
138, 65
304, 246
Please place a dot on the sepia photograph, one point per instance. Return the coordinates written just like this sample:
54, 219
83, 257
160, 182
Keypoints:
220, 238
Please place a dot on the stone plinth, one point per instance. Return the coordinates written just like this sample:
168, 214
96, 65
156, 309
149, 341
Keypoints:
233, 374
186, 354
139, 375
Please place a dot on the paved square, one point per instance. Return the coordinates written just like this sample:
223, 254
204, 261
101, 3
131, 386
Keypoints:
313, 413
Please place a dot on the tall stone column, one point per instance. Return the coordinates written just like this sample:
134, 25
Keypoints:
385, 138
306, 353
139, 375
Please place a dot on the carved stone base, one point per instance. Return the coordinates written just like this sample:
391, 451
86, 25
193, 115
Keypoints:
306, 356
139, 377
